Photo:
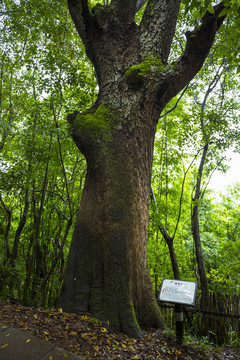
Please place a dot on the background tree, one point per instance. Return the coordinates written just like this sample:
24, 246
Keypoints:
38, 178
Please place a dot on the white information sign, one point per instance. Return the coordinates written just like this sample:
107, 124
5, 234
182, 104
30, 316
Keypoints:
178, 292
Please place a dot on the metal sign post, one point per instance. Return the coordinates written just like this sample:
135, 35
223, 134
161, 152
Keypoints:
180, 293
179, 322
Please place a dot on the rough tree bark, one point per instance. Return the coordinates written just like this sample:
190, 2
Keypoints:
107, 272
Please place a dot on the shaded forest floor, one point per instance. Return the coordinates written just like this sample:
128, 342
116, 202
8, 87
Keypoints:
84, 335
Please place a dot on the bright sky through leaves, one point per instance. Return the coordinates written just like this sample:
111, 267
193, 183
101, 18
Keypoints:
219, 181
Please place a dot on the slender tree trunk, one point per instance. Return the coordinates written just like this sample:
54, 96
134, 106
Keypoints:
169, 240
196, 230
205, 327
20, 229
36, 257
195, 205
49, 272
7, 230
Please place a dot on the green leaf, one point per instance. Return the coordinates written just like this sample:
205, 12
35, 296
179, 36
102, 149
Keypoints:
224, 12
211, 9
227, 3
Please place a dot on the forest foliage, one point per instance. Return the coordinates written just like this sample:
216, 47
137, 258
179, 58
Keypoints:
44, 75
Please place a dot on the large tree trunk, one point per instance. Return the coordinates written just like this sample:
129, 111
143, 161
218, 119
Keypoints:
107, 273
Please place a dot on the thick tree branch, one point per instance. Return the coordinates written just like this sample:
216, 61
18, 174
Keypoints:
158, 27
199, 43
81, 16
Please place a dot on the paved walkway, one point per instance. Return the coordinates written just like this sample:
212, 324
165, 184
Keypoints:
18, 345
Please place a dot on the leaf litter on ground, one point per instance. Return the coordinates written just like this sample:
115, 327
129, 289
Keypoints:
84, 335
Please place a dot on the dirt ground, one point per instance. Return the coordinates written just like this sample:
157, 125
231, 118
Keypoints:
84, 335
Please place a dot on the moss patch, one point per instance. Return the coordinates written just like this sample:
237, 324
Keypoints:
149, 65
96, 122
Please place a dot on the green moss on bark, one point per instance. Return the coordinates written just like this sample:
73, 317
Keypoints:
149, 65
98, 121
